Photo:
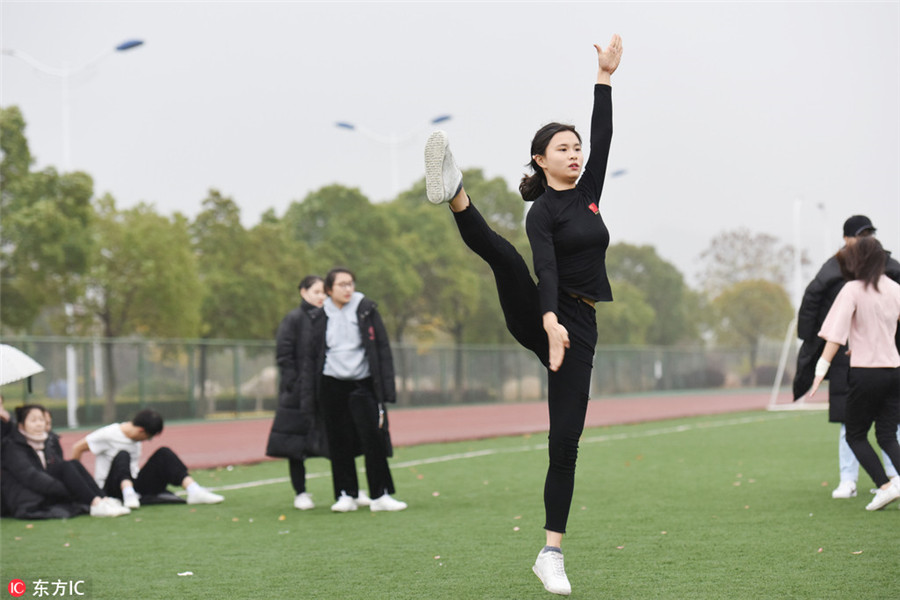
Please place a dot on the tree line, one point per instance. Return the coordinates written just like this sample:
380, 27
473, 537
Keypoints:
76, 264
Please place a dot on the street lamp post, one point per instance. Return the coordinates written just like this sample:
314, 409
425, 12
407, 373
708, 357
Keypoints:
393, 140
64, 74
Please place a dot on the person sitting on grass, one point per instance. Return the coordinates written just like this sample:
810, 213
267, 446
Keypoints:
38, 484
117, 449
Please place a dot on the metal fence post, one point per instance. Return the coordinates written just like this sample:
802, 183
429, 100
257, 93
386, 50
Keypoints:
237, 378
141, 374
192, 400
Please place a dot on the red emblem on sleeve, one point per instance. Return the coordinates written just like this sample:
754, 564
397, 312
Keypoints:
593, 207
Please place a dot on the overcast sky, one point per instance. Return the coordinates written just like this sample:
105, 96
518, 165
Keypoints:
726, 114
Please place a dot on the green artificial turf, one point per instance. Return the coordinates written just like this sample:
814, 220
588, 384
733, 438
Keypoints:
734, 506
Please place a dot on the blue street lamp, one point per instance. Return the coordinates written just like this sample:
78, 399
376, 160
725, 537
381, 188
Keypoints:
64, 74
128, 45
393, 141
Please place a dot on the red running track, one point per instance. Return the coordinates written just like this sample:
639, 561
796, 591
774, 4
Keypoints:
207, 444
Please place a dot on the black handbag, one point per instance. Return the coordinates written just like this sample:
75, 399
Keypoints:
385, 430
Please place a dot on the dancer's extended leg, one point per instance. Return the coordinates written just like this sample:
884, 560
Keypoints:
515, 288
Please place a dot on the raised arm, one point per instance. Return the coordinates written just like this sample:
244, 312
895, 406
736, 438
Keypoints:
592, 179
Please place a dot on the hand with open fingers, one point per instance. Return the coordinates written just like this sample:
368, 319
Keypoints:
558, 338
815, 386
609, 58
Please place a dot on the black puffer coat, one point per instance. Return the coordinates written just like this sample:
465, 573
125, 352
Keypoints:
298, 429
817, 301
27, 490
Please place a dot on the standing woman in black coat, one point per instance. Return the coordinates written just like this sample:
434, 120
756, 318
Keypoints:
297, 431
554, 318
349, 369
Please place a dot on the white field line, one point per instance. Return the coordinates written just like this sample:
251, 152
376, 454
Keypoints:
531, 447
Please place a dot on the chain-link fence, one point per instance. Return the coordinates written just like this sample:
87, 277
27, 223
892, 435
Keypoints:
187, 379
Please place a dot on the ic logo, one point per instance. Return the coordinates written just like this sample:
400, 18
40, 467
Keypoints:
17, 588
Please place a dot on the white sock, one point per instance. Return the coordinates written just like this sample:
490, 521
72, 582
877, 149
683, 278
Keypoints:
194, 487
129, 492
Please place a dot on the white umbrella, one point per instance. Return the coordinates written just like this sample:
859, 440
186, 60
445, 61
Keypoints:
15, 365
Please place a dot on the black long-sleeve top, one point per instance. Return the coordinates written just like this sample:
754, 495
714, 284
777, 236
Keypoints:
567, 234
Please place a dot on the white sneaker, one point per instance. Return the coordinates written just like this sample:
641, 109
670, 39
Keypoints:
116, 505
884, 497
303, 502
550, 570
443, 179
132, 501
846, 489
363, 499
203, 496
344, 504
895, 480
386, 503
105, 508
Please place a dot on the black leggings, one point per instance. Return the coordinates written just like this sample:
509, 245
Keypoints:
874, 397
351, 419
298, 474
77, 480
163, 468
569, 387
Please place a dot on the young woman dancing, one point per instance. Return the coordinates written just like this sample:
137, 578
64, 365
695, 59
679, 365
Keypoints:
864, 316
553, 318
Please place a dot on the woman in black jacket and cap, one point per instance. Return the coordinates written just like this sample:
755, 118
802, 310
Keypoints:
297, 430
349, 370
36, 482
817, 301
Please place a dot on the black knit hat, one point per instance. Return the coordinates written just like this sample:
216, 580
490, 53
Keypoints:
856, 224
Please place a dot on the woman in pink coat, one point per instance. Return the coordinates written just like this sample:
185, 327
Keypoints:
864, 316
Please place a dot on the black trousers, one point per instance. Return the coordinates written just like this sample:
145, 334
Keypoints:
569, 387
351, 420
77, 480
874, 397
162, 469
298, 474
